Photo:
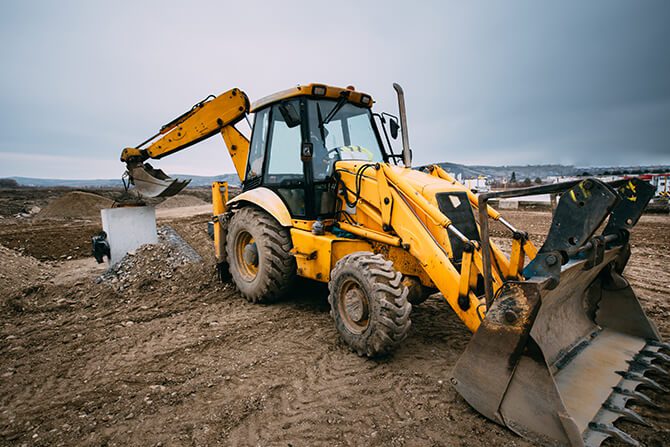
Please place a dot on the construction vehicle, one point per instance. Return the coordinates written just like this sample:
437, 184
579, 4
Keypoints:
561, 342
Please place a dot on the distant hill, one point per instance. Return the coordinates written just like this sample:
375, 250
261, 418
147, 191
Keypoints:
543, 171
529, 171
71, 183
196, 181
466, 171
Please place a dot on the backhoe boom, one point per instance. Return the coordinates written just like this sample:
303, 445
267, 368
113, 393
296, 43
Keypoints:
214, 114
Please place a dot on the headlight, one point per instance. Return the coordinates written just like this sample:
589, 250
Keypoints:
319, 90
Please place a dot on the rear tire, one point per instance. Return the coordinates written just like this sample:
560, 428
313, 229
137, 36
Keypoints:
369, 303
259, 258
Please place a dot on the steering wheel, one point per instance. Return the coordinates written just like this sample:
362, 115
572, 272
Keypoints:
335, 150
334, 155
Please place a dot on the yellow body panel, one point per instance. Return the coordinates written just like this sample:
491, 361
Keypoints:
316, 255
267, 200
312, 254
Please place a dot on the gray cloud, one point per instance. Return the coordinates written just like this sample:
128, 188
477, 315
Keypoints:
487, 82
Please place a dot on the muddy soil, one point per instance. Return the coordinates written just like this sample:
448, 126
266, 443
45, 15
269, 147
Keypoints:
50, 241
186, 361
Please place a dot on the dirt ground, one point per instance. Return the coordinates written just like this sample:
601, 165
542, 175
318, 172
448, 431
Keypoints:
185, 361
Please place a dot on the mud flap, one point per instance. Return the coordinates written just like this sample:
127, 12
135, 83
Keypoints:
152, 182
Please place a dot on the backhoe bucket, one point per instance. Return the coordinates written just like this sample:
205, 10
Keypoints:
559, 355
152, 182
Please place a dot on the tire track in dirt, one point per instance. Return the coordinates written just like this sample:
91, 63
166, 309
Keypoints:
318, 405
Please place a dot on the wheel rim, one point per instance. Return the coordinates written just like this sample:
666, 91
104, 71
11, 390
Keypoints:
354, 307
246, 254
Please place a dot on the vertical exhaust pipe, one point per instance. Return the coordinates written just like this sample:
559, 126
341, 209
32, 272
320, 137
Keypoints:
406, 152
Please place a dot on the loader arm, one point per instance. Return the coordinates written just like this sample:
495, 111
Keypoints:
211, 116
392, 203
522, 246
561, 342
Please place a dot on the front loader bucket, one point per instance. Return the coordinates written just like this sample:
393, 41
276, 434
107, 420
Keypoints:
559, 355
152, 182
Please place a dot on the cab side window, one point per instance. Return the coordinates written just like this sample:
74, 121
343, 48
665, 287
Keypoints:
258, 139
285, 139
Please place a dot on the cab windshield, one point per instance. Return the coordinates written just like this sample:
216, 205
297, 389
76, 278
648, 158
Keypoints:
346, 134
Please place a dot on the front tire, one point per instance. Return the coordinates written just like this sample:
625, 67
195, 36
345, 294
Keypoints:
259, 255
369, 303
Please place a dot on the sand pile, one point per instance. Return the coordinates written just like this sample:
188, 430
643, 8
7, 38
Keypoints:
75, 204
18, 271
181, 200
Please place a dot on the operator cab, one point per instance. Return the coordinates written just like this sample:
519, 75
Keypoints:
298, 136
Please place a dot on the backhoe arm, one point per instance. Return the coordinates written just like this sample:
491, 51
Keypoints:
214, 114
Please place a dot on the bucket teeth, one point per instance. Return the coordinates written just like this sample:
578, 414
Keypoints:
637, 377
627, 413
643, 364
611, 430
657, 355
635, 395
659, 344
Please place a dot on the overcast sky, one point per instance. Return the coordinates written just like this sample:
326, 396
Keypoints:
497, 82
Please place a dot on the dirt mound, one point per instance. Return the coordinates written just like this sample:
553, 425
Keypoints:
76, 204
181, 201
18, 271
151, 263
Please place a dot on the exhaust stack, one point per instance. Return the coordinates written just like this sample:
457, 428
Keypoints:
406, 151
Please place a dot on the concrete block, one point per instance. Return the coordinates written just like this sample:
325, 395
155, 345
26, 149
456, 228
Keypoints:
508, 204
128, 228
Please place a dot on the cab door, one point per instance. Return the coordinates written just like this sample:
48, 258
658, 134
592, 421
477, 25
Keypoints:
284, 170
281, 158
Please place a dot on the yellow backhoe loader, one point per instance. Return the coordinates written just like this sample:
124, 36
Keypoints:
561, 342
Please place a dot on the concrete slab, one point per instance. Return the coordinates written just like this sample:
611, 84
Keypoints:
508, 204
128, 228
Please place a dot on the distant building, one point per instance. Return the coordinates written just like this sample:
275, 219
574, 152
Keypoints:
660, 182
478, 184
559, 178
562, 179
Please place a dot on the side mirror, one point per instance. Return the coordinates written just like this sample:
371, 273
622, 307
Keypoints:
290, 114
394, 127
306, 151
